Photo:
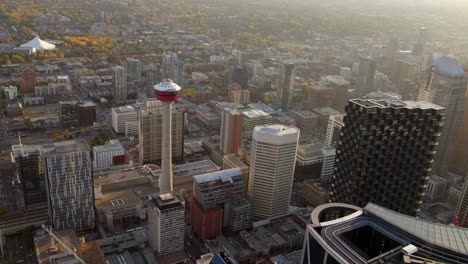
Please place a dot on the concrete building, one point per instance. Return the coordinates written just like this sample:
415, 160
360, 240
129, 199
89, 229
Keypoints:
320, 95
240, 75
324, 114
253, 118
377, 234
272, 170
459, 161
132, 129
28, 81
150, 138
396, 155
315, 193
285, 86
444, 84
314, 161
240, 97
436, 188
218, 202
208, 118
154, 77
77, 113
69, 181
306, 121
133, 69
166, 223
232, 161
119, 84
334, 126
231, 131
366, 76
454, 195
122, 115
105, 156
29, 164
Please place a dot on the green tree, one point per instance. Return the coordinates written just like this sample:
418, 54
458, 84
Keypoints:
17, 59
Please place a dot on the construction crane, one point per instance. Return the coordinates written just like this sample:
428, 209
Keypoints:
49, 230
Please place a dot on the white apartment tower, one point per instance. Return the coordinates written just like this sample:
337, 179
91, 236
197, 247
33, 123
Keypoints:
166, 223
272, 169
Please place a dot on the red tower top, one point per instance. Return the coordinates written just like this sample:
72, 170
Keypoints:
167, 91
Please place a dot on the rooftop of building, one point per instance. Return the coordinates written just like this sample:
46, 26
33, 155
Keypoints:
234, 159
265, 108
383, 103
438, 179
26, 150
325, 111
222, 176
165, 201
254, 113
124, 198
112, 144
449, 67
208, 113
394, 231
123, 109
191, 169
118, 176
43, 244
64, 147
276, 130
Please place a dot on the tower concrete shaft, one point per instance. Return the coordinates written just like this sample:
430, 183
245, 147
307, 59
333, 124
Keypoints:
165, 180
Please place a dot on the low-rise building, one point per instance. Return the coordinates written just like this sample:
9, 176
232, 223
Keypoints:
107, 155
121, 115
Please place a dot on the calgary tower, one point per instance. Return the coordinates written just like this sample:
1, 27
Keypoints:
167, 92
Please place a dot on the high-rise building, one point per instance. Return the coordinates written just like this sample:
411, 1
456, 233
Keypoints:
119, 84
86, 113
218, 202
393, 46
69, 182
105, 156
150, 138
240, 75
154, 77
77, 113
344, 233
169, 59
166, 223
306, 121
366, 76
385, 153
461, 213
459, 161
28, 81
231, 131
335, 123
253, 118
271, 174
436, 188
133, 68
121, 115
179, 74
285, 86
444, 84
30, 173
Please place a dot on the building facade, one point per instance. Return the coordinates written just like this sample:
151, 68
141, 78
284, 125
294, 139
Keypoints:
285, 86
253, 118
133, 69
107, 155
30, 173
231, 131
366, 76
69, 182
271, 174
444, 84
119, 84
122, 115
386, 152
150, 138
166, 223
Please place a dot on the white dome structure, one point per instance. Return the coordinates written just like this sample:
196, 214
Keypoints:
38, 44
